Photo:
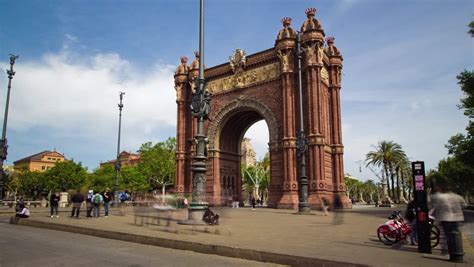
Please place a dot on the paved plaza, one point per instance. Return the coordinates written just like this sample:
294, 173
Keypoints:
278, 236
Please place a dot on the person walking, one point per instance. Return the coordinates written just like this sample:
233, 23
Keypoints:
447, 208
54, 204
107, 197
77, 200
89, 196
96, 201
324, 205
252, 200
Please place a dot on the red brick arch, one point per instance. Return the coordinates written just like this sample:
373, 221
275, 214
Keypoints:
264, 86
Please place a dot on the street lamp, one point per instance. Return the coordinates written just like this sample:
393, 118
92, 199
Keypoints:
303, 205
3, 141
200, 108
117, 161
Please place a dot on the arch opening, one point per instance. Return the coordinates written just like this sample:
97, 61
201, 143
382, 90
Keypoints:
233, 123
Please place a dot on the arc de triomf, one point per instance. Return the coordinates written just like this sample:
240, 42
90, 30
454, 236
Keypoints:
264, 85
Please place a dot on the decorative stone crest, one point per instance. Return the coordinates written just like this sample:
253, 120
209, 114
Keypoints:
238, 60
310, 23
331, 50
181, 77
287, 31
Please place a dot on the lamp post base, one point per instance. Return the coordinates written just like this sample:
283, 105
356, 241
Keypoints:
195, 214
303, 208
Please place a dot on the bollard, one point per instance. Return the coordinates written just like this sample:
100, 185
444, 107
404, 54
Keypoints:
454, 238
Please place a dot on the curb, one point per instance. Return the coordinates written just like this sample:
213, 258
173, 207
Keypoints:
233, 252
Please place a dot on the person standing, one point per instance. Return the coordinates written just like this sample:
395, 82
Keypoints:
252, 200
96, 201
54, 204
410, 216
107, 197
77, 200
447, 208
90, 194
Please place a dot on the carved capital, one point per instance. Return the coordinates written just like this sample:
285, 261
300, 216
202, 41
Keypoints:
316, 140
289, 142
274, 146
337, 149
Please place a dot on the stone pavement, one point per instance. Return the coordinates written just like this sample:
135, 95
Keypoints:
279, 236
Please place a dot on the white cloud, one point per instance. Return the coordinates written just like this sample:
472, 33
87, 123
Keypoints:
77, 96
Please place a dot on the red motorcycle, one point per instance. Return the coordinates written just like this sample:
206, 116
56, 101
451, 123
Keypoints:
395, 229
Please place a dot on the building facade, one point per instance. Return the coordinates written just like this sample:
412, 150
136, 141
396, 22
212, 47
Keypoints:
248, 153
126, 159
39, 162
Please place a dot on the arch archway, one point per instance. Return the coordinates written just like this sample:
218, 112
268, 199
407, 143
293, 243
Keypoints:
263, 86
226, 132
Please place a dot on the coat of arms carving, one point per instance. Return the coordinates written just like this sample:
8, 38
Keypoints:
238, 60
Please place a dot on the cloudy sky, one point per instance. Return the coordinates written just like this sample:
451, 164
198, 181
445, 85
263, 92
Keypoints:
401, 59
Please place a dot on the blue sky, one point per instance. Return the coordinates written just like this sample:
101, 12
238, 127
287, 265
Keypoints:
400, 63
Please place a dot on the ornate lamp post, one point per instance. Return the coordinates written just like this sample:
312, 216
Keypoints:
303, 206
117, 161
200, 108
3, 141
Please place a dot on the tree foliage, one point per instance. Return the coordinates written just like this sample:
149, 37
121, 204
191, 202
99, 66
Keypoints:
101, 178
157, 162
65, 175
457, 171
256, 178
390, 157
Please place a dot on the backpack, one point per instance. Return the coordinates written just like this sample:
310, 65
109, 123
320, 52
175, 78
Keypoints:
96, 199
123, 197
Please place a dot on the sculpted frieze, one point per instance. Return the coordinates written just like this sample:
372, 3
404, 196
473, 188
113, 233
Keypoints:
325, 76
244, 78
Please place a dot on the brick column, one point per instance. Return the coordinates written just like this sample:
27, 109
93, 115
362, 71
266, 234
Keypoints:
285, 46
314, 106
181, 82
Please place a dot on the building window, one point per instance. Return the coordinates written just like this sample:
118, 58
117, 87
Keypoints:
43, 167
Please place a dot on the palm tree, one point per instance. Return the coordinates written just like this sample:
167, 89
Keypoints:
386, 155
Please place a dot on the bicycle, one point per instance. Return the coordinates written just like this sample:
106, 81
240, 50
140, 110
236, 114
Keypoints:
396, 229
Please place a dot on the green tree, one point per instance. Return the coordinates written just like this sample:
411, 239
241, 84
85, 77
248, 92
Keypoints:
256, 178
471, 28
101, 178
157, 163
387, 155
65, 175
12, 184
369, 189
33, 183
457, 171
353, 186
133, 179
